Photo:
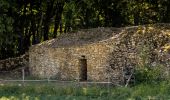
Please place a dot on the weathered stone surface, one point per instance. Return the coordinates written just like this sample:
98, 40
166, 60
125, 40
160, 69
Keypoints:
12, 63
107, 50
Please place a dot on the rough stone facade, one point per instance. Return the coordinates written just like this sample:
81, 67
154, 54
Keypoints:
63, 62
13, 63
11, 68
107, 51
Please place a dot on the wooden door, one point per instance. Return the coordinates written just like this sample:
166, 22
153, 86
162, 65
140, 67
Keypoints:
83, 68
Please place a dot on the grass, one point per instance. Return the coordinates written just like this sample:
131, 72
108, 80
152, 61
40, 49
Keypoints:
143, 91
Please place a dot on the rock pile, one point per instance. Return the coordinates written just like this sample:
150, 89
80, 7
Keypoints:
13, 63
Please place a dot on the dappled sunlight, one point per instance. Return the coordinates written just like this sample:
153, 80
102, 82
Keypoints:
142, 91
48, 42
166, 48
166, 32
18, 98
84, 50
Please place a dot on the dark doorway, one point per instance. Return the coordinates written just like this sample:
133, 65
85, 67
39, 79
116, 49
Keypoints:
83, 68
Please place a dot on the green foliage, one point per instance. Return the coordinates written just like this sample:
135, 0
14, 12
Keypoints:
7, 37
27, 22
149, 75
52, 92
147, 72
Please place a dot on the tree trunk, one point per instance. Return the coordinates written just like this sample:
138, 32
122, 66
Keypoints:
21, 30
40, 22
61, 27
47, 21
59, 11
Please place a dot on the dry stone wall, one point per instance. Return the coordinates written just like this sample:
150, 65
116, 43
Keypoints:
13, 63
107, 50
63, 63
143, 46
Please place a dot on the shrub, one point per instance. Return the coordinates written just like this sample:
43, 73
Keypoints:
147, 70
149, 75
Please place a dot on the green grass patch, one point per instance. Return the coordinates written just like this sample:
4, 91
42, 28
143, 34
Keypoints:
143, 91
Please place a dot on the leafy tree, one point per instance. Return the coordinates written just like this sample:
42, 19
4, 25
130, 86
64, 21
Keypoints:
27, 22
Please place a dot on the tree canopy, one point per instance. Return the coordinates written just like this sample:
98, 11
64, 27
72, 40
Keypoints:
27, 22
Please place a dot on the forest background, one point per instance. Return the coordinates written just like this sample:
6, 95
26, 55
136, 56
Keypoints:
27, 22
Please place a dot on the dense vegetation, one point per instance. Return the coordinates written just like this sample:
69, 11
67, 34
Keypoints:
53, 92
27, 22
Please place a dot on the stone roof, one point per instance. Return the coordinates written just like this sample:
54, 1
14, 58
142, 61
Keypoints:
95, 35
85, 36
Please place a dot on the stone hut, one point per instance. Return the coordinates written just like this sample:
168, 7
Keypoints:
82, 55
100, 53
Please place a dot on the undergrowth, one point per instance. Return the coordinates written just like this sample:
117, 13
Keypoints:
142, 91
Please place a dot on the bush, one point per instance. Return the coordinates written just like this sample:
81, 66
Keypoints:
149, 75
